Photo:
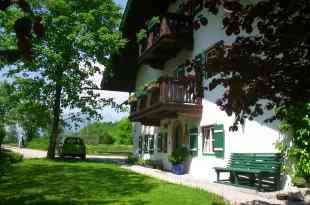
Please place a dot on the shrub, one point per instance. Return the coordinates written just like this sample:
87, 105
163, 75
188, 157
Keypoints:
179, 155
11, 157
8, 158
295, 145
106, 138
132, 159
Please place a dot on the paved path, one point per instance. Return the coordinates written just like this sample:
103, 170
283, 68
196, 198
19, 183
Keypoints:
235, 195
31, 154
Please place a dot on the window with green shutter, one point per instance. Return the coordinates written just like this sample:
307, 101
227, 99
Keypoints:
219, 140
146, 144
193, 141
159, 143
164, 142
140, 146
213, 142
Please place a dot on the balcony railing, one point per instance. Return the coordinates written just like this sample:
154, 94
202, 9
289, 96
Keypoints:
169, 99
164, 40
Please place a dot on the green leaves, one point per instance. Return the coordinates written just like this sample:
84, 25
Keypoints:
295, 145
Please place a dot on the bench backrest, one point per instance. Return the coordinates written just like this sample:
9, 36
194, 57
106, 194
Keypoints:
269, 162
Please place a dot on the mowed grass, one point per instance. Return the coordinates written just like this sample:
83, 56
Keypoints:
100, 149
38, 143
80, 183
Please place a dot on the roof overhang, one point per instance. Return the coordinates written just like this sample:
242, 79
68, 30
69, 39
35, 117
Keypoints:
125, 64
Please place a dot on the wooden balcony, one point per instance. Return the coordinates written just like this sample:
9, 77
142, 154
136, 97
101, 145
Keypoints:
166, 39
170, 99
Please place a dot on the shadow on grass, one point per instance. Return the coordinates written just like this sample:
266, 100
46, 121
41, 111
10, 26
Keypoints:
71, 183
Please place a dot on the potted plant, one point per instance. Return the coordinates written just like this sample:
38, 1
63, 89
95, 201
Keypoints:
155, 20
177, 159
141, 40
132, 99
152, 31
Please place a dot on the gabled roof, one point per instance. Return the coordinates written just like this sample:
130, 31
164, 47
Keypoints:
125, 65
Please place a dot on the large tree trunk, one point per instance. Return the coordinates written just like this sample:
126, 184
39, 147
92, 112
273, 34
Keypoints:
55, 125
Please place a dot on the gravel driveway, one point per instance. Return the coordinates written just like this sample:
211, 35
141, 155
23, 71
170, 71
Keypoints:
32, 154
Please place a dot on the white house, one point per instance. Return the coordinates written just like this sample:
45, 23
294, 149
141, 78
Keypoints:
171, 115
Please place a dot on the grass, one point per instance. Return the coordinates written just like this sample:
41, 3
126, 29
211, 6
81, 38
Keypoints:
103, 149
8, 158
38, 143
100, 149
38, 182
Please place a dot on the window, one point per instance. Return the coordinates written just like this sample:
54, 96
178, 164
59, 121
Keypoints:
140, 146
159, 143
146, 144
164, 142
151, 144
213, 140
193, 141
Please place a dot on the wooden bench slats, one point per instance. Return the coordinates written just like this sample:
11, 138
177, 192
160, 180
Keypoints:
257, 169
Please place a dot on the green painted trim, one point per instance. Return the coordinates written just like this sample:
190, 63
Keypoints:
126, 12
213, 155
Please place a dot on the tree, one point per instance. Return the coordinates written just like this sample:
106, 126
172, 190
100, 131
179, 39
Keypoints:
20, 104
77, 34
123, 132
19, 18
270, 63
29, 111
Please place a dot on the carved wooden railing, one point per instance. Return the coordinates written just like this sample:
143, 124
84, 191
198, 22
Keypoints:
169, 91
170, 25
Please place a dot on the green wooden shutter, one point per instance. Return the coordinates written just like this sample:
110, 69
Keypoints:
140, 145
219, 140
165, 143
193, 141
159, 143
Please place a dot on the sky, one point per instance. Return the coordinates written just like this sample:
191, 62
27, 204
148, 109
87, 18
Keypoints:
119, 97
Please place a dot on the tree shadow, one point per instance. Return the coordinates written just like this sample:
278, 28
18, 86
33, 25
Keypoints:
57, 182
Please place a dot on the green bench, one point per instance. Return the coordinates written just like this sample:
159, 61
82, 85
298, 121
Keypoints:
259, 170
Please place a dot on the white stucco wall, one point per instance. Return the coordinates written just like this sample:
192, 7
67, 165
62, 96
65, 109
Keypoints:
254, 137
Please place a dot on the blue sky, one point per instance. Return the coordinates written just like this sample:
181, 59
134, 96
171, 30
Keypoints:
108, 113
121, 3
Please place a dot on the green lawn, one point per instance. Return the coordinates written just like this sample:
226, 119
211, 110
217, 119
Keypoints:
77, 183
100, 149
108, 149
38, 143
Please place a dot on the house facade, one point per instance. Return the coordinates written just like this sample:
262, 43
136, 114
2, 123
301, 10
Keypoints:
174, 110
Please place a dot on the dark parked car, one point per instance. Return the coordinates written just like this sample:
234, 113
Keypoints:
73, 147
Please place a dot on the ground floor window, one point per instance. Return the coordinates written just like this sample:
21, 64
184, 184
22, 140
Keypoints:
146, 144
159, 143
164, 142
151, 144
213, 140
193, 141
140, 146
